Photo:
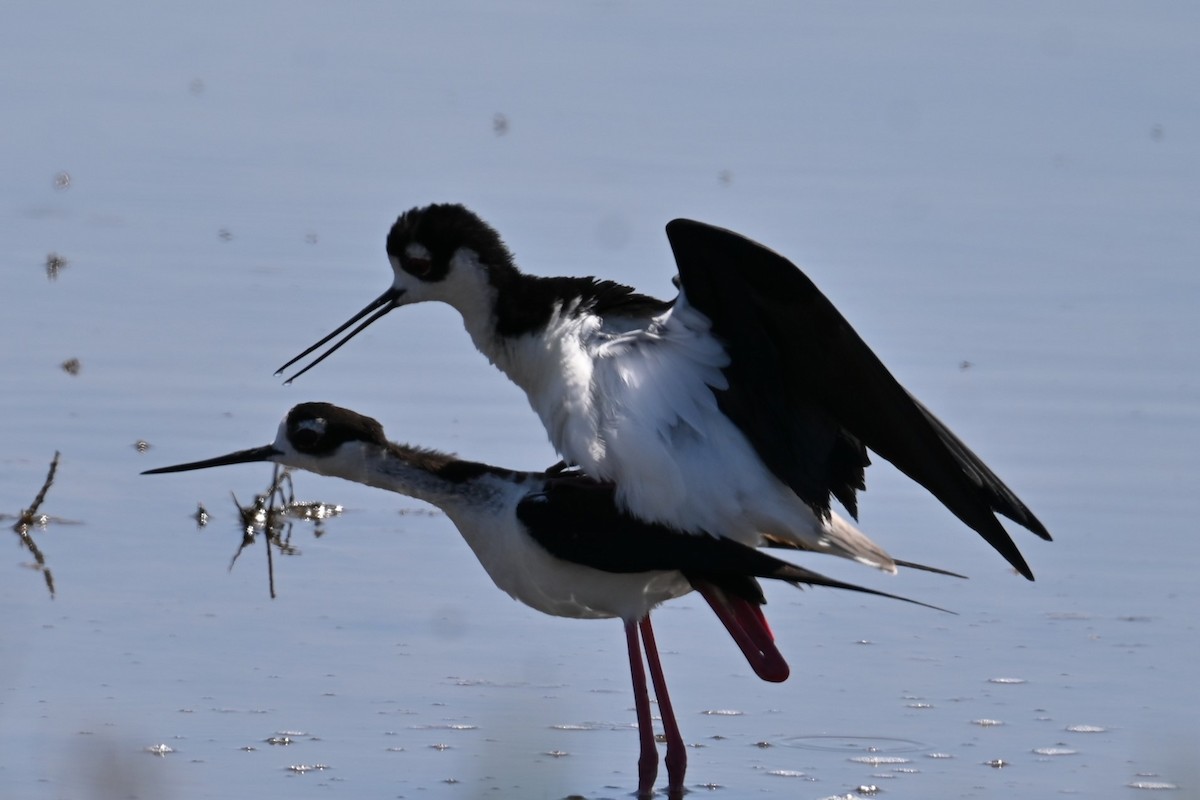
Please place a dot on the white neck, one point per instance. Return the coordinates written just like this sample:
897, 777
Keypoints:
413, 473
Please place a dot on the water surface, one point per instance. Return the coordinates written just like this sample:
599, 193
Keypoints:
1004, 203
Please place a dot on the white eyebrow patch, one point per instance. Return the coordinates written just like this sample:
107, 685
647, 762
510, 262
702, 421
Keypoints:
418, 251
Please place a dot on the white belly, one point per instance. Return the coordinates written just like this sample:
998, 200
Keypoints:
520, 567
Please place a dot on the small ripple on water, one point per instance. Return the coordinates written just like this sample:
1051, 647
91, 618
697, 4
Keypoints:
1158, 786
1054, 751
869, 745
880, 761
303, 769
1007, 681
1087, 729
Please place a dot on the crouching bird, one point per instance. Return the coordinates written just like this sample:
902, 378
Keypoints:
559, 542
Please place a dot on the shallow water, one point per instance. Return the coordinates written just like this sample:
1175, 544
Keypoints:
1004, 203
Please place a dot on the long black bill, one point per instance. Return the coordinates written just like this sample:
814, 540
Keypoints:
380, 305
263, 453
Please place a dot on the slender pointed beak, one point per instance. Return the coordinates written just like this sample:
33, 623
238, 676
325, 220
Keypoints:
240, 457
380, 306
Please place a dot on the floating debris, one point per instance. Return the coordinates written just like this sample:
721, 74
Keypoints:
201, 516
499, 124
272, 513
725, 177
998, 763
29, 518
987, 723
62, 181
71, 366
54, 265
160, 750
279, 740
313, 512
225, 235
141, 445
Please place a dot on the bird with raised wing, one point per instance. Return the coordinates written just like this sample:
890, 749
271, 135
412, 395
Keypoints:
558, 542
745, 405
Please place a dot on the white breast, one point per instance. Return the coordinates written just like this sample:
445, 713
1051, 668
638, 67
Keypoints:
520, 567
635, 405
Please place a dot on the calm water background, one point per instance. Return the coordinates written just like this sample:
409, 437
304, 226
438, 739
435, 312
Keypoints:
1005, 202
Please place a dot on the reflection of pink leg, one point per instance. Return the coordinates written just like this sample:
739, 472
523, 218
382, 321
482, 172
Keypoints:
676, 754
648, 760
748, 627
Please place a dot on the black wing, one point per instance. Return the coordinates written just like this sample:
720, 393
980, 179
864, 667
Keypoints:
576, 519
812, 397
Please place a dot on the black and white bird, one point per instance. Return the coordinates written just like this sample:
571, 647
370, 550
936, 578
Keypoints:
742, 406
557, 542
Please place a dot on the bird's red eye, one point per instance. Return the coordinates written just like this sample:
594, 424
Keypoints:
418, 266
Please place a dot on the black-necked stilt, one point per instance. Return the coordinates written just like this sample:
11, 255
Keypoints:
557, 542
741, 406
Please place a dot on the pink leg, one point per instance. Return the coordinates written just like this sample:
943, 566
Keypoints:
676, 753
648, 760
